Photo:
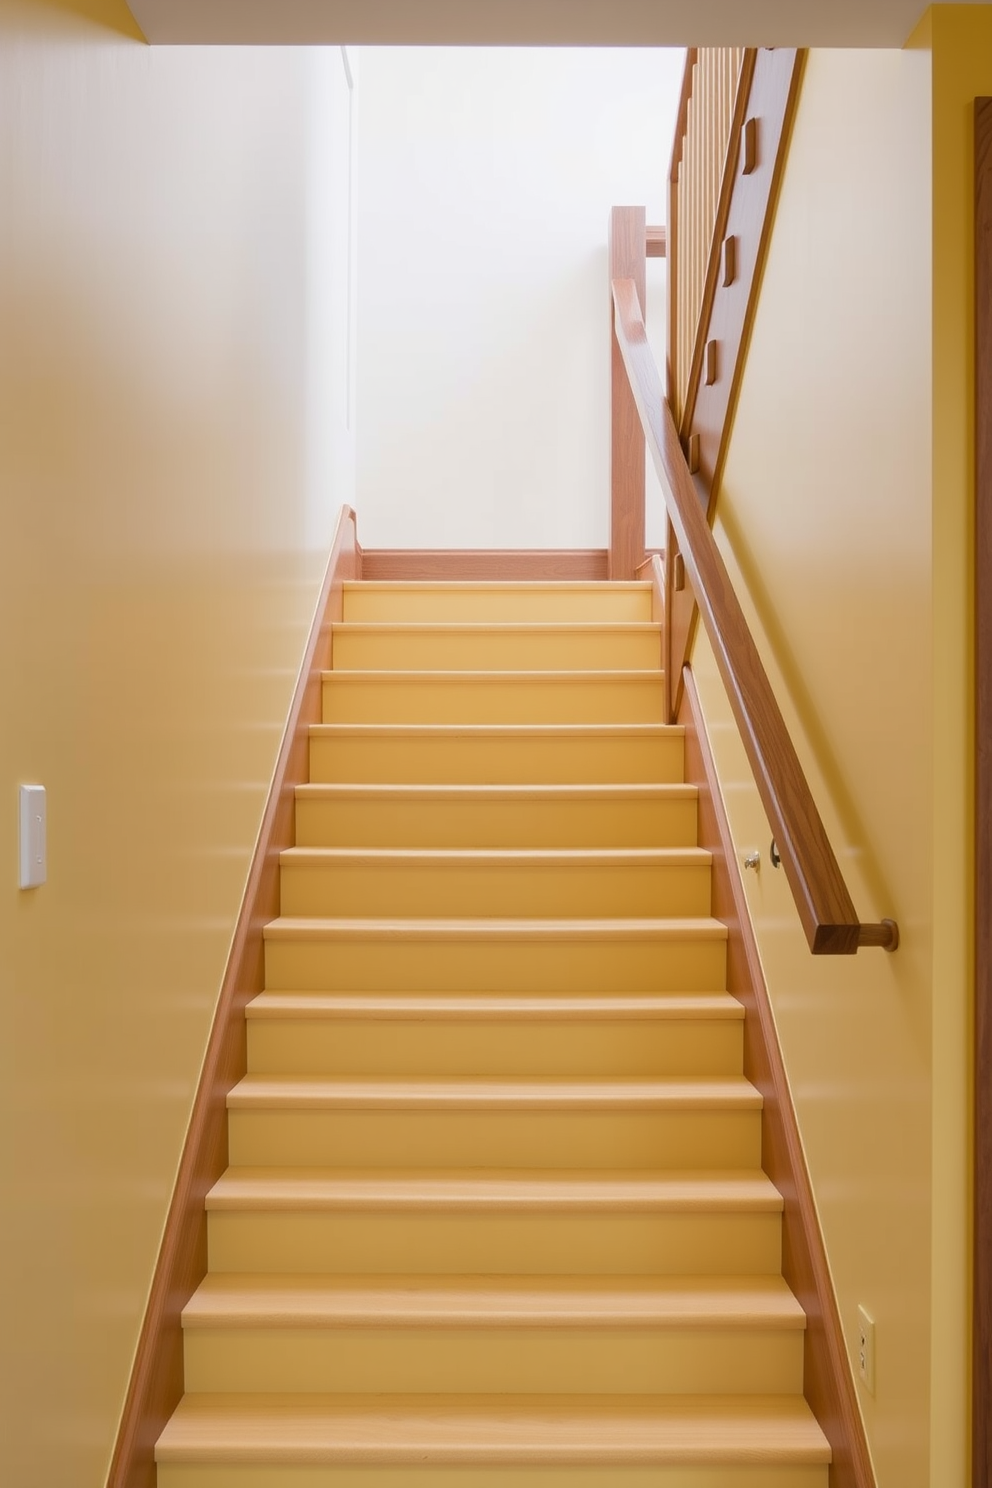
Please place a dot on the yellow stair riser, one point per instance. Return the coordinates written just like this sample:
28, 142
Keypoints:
610, 1475
463, 1138
396, 1047
613, 697
437, 1360
387, 887
444, 757
474, 604
480, 648
427, 1242
447, 821
427, 965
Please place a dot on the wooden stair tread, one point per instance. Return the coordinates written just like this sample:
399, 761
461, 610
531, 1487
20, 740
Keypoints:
493, 1093
272, 1317
543, 678
412, 1007
234, 1300
467, 858
498, 730
335, 791
475, 1191
499, 1429
500, 627
507, 586
314, 929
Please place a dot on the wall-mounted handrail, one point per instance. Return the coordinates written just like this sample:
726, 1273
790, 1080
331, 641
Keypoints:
826, 910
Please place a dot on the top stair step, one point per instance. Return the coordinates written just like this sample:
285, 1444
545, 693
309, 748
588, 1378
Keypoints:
478, 602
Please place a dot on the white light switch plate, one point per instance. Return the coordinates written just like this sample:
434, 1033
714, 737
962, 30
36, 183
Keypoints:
33, 834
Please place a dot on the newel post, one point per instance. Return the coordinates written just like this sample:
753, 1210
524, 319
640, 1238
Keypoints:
627, 257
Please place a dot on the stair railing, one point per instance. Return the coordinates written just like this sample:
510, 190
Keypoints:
733, 188
715, 88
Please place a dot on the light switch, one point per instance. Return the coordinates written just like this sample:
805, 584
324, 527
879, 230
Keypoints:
33, 845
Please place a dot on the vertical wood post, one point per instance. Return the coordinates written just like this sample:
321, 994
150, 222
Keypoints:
627, 258
982, 1282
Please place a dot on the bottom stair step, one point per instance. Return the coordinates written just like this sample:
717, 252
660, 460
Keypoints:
309, 1441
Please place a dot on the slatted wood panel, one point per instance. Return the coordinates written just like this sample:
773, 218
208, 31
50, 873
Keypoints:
697, 179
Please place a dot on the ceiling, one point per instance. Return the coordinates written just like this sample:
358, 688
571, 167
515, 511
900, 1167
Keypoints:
852, 23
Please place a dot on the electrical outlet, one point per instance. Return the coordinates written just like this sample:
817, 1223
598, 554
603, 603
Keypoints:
866, 1350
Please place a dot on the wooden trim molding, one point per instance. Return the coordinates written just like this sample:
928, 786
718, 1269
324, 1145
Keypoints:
826, 910
656, 242
982, 1280
829, 1384
627, 261
480, 564
156, 1384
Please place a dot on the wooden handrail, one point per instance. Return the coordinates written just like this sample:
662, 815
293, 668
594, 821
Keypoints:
826, 910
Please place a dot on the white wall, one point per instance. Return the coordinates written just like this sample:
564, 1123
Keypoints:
485, 182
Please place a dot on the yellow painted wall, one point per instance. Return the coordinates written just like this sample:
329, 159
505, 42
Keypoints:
961, 40
172, 451
826, 518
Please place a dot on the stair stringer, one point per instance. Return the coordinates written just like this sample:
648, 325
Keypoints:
828, 1382
156, 1384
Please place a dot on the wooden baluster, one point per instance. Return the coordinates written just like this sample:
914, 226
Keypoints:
627, 261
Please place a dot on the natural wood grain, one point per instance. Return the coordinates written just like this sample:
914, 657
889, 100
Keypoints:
491, 1093
156, 1384
489, 1007
674, 251
656, 242
303, 928
463, 794
829, 1386
982, 1320
674, 370
729, 261
453, 564
441, 1431
727, 167
749, 143
635, 1302
731, 304
474, 1192
626, 258
773, 97
824, 904
464, 859
682, 116
660, 604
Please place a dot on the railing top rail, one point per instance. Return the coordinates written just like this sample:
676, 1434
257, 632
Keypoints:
826, 909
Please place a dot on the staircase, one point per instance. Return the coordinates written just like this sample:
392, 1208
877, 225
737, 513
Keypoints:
495, 1214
